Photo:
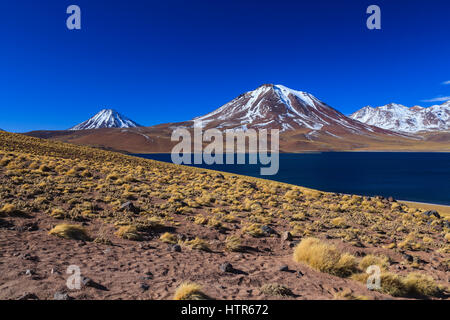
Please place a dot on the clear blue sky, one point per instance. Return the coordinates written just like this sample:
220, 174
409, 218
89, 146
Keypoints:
172, 60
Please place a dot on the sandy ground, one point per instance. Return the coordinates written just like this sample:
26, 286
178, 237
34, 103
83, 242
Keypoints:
33, 264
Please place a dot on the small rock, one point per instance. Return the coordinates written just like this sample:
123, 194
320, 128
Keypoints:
176, 248
268, 230
61, 296
226, 267
129, 206
86, 281
28, 296
287, 236
144, 286
27, 256
284, 268
408, 257
430, 213
29, 272
300, 274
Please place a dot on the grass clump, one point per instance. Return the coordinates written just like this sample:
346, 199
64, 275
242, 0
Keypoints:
339, 222
169, 238
275, 289
324, 257
412, 285
198, 244
255, 230
10, 209
347, 294
422, 285
233, 243
70, 231
58, 213
190, 291
370, 260
129, 232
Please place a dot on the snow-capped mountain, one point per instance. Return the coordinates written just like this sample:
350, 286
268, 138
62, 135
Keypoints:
397, 117
278, 107
106, 118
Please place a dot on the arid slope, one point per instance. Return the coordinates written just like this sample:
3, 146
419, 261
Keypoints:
184, 224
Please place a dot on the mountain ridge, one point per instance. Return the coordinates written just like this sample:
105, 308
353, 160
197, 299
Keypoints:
400, 118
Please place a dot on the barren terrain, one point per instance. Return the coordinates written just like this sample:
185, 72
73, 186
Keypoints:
139, 229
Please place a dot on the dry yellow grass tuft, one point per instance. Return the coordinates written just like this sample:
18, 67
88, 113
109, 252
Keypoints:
275, 289
324, 257
129, 232
347, 294
10, 209
233, 243
190, 291
339, 222
70, 231
412, 285
198, 244
377, 260
169, 238
254, 230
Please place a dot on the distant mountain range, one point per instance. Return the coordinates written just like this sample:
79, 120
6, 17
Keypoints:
106, 118
403, 119
278, 107
305, 123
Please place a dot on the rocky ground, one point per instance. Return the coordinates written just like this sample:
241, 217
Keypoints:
138, 229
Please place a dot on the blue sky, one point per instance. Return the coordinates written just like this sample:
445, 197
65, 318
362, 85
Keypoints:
172, 60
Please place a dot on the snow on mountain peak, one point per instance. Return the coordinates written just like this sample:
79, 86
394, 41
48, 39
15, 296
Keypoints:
106, 118
279, 107
400, 118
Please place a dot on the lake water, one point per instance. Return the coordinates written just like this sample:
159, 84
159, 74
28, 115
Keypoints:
422, 177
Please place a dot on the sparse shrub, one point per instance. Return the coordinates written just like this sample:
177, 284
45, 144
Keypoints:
198, 244
370, 259
233, 243
103, 240
254, 230
69, 231
169, 238
11, 209
413, 285
200, 219
339, 222
275, 289
422, 285
347, 294
324, 257
58, 214
190, 291
129, 232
